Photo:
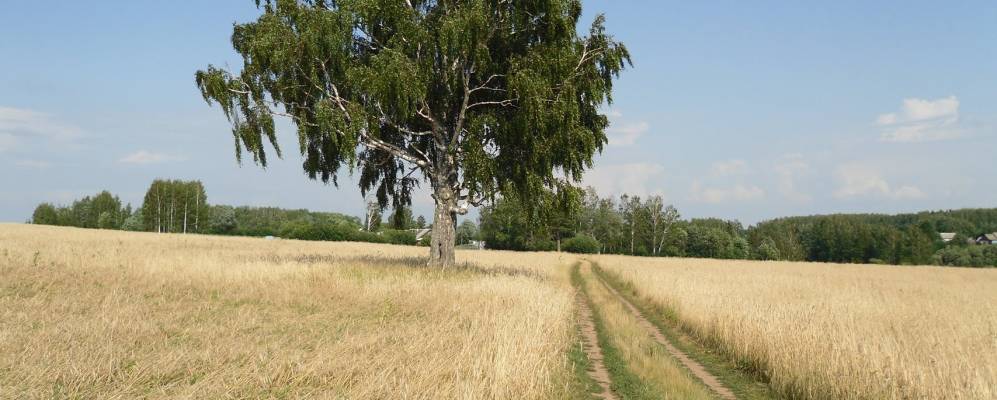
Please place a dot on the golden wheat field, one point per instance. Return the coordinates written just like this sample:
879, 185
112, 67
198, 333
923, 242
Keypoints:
824, 331
107, 314
103, 314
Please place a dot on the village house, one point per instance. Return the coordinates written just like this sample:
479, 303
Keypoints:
947, 236
987, 238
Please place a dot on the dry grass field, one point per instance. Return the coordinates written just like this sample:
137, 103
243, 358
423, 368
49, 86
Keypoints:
106, 314
103, 314
823, 331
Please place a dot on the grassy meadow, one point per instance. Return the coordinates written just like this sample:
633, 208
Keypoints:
108, 314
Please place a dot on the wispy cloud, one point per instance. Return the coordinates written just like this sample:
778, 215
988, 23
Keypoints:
148, 157
720, 195
856, 180
634, 178
788, 170
622, 133
729, 168
921, 120
18, 125
33, 164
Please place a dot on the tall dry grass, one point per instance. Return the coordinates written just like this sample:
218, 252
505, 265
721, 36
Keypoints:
101, 314
824, 331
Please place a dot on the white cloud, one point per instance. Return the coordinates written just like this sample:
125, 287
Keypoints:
922, 120
147, 157
33, 164
920, 110
627, 134
716, 195
634, 179
729, 168
858, 181
788, 170
18, 124
622, 133
886, 119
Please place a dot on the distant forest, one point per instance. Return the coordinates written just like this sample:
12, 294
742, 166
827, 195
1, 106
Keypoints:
172, 206
580, 222
646, 227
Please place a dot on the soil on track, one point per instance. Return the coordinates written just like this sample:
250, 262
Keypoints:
598, 371
695, 367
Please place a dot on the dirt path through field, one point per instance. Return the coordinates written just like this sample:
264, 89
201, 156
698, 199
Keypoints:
598, 371
695, 367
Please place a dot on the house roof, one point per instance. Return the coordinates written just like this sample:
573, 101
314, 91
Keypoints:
991, 236
947, 235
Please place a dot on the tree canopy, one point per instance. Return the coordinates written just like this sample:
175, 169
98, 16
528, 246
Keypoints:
480, 97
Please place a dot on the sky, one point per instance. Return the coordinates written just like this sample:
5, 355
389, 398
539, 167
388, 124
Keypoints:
737, 110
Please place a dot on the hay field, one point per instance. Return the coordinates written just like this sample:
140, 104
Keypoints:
104, 314
825, 331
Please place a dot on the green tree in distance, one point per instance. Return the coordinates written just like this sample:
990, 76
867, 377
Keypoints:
481, 97
466, 232
45, 214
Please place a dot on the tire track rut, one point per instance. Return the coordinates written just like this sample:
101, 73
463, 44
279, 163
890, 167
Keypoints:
693, 366
598, 371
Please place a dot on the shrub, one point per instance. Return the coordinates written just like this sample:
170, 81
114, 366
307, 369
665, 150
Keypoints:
581, 244
399, 237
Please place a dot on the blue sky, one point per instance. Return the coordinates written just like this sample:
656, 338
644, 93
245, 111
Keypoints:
733, 110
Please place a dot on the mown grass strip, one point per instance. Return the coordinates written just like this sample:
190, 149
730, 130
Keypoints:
746, 382
624, 383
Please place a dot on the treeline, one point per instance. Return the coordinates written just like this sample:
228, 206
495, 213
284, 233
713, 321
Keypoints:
584, 222
101, 211
886, 239
302, 224
175, 206
572, 220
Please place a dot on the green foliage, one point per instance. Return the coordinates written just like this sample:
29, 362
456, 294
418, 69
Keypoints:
484, 98
272, 221
767, 250
466, 232
399, 237
45, 214
890, 239
134, 222
222, 220
509, 224
103, 211
967, 256
174, 206
707, 242
401, 218
582, 244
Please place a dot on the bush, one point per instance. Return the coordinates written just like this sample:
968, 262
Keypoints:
304, 229
581, 244
363, 236
399, 237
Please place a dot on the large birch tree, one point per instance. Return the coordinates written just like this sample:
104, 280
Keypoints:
474, 97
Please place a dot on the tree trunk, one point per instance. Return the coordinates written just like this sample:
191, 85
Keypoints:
185, 216
441, 244
633, 233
